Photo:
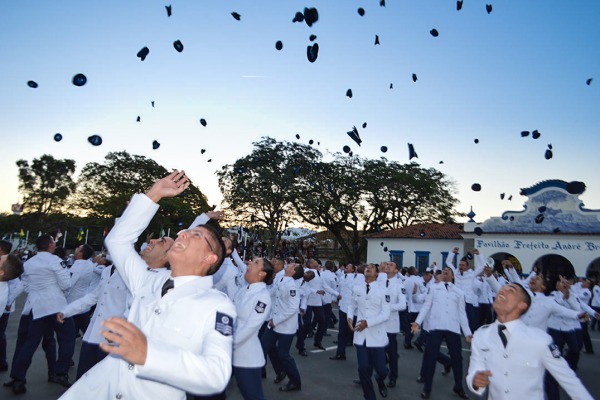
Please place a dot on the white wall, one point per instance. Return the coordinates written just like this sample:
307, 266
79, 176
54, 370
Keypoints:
376, 254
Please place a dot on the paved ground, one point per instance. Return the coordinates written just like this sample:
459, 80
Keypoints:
321, 377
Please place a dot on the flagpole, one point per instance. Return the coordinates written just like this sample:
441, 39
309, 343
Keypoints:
169, 232
26, 238
65, 239
87, 231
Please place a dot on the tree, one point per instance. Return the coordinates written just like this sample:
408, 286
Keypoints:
258, 187
405, 194
104, 190
45, 184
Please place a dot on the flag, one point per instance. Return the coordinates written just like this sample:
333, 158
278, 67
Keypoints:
240, 234
104, 233
21, 233
39, 233
58, 235
80, 234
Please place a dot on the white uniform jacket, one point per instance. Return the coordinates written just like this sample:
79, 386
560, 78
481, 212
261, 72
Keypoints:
314, 299
189, 330
396, 298
111, 298
3, 295
252, 306
518, 370
445, 308
596, 296
329, 285
464, 280
15, 288
373, 308
286, 306
82, 275
45, 280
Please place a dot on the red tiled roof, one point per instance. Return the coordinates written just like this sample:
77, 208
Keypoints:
423, 231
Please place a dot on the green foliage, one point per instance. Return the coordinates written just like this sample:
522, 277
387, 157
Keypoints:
45, 184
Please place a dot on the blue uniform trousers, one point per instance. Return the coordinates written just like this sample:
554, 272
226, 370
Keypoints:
277, 347
89, 355
249, 382
432, 352
369, 359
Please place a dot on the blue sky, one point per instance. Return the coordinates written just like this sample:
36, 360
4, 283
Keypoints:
522, 67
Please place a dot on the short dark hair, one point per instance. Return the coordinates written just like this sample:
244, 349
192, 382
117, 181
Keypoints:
87, 251
218, 248
298, 272
526, 297
269, 270
43, 242
60, 252
13, 267
5, 246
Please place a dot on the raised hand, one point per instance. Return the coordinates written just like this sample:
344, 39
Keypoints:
169, 186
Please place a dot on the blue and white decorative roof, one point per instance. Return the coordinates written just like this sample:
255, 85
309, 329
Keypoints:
552, 206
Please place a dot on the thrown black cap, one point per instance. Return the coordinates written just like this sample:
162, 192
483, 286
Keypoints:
382, 3
469, 255
510, 198
346, 149
311, 15
349, 93
202, 151
391, 85
209, 160
411, 152
459, 5
476, 141
361, 11
95, 140
32, 84
488, 8
279, 45
364, 125
548, 154
476, 187
535, 134
168, 10
550, 146
297, 136
57, 137
236, 16
542, 209
441, 162
539, 218
143, 53
385, 249
79, 80
312, 52
589, 81
381, 244
202, 122
501, 196
311, 141
178, 46
524, 133
312, 38
377, 40
414, 77
434, 32
155, 145
478, 231
384, 149
152, 102
354, 135
138, 119
576, 187
299, 17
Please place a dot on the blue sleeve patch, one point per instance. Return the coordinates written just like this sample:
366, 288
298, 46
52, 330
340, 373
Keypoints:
260, 307
224, 324
554, 350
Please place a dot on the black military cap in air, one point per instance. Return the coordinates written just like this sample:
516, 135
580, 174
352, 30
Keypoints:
57, 137
168, 10
434, 32
236, 16
476, 187
32, 84
79, 80
178, 46
155, 145
354, 135
203, 122
95, 140
411, 152
279, 45
349, 93
143, 53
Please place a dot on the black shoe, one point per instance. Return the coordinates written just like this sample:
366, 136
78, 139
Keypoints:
263, 373
408, 347
425, 395
310, 334
420, 379
461, 393
319, 346
303, 353
356, 381
335, 342
4, 368
280, 377
447, 369
62, 380
418, 346
18, 387
382, 388
586, 352
338, 357
392, 383
290, 387
9, 383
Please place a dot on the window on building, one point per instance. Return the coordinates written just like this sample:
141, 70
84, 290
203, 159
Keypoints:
397, 256
421, 260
